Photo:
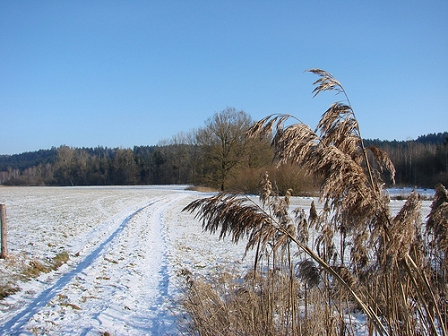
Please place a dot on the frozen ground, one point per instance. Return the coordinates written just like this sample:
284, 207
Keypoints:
127, 246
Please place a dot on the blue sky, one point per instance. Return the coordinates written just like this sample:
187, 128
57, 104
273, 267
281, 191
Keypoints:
124, 73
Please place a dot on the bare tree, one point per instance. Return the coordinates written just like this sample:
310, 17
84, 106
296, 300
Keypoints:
66, 159
223, 144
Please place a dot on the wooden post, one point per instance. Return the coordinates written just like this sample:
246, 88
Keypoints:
4, 234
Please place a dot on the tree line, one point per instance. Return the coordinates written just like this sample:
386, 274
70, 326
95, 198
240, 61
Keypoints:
422, 162
217, 155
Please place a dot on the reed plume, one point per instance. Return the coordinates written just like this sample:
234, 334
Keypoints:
402, 232
437, 223
335, 152
381, 277
308, 271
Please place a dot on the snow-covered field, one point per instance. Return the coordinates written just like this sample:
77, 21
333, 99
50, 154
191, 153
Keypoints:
127, 246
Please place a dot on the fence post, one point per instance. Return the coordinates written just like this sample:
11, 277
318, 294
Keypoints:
4, 233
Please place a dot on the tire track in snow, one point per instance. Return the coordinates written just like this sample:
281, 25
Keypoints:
151, 312
162, 314
15, 325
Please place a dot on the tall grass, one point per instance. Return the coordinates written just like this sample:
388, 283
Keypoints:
393, 269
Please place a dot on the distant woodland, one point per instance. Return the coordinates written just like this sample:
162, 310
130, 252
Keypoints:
218, 156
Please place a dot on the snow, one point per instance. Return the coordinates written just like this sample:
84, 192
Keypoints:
405, 191
128, 247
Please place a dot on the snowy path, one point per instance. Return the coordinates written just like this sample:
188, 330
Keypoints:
119, 287
127, 246
14, 325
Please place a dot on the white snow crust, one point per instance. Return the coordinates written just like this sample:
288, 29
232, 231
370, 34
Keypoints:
127, 246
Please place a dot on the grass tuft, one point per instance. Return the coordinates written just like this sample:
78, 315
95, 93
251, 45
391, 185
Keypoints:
7, 290
31, 270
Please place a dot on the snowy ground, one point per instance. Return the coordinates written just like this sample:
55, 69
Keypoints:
127, 246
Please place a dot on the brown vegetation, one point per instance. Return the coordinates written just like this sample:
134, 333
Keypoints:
391, 268
32, 269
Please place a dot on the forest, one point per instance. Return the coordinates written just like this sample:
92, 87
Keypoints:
218, 155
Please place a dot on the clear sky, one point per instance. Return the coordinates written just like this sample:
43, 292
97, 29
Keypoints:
124, 73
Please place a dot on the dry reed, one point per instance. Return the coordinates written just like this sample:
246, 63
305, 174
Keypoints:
362, 258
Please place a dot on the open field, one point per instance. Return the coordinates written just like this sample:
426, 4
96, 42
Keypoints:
127, 247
